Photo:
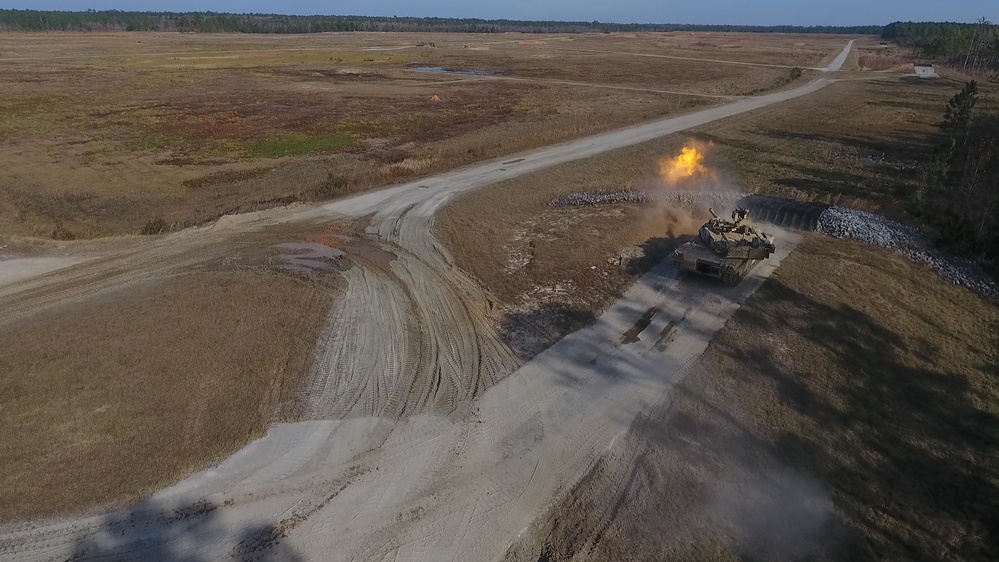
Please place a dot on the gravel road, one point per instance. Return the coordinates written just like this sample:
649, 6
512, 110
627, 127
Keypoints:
429, 442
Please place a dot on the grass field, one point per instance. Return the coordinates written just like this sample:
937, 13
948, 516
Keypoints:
858, 142
118, 395
849, 411
131, 390
102, 133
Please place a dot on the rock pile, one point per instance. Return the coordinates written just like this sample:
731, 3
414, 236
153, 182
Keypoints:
909, 241
585, 198
867, 227
722, 200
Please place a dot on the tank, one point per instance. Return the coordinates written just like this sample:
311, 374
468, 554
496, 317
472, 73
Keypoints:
725, 249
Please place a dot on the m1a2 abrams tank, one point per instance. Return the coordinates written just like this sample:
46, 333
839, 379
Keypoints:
725, 249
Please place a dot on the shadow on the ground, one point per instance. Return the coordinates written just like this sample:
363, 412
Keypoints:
907, 452
654, 251
188, 533
866, 448
532, 331
529, 332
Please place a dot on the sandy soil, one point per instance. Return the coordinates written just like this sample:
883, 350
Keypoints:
23, 268
481, 447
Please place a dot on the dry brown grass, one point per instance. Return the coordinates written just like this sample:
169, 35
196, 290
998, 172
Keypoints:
101, 133
108, 399
779, 49
849, 411
620, 69
856, 142
860, 141
879, 58
550, 271
529, 254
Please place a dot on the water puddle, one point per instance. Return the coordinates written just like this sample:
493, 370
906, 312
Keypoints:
358, 247
666, 337
369, 252
446, 70
309, 256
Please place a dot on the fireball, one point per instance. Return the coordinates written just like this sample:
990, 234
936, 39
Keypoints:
689, 164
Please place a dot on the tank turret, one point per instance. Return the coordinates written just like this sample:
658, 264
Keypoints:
725, 248
736, 238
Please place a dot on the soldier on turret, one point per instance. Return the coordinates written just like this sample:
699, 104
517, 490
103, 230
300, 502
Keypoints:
739, 216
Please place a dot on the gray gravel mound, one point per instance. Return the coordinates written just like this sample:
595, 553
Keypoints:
910, 241
685, 199
586, 198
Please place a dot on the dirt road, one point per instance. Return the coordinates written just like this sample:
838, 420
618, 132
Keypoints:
428, 441
696, 59
476, 78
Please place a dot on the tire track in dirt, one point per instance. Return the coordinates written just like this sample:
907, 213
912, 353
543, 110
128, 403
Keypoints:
363, 367
416, 341
546, 426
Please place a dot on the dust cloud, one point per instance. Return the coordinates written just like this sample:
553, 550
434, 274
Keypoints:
675, 221
678, 210
778, 514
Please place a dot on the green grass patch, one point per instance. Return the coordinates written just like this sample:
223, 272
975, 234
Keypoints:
294, 145
393, 126
30, 114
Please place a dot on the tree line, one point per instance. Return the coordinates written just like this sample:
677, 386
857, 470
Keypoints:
971, 47
960, 196
211, 22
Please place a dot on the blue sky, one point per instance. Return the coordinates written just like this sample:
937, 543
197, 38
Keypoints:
752, 12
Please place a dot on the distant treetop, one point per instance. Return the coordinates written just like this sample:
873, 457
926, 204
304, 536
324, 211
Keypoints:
210, 22
972, 47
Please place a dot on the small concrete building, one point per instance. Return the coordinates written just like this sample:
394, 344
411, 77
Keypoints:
925, 71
